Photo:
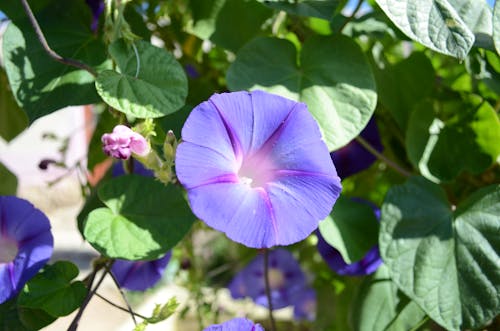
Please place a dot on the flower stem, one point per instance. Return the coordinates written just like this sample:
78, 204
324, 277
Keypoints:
268, 289
348, 19
74, 324
46, 47
382, 157
119, 307
129, 308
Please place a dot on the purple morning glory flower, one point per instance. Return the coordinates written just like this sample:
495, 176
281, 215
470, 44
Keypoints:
122, 142
305, 305
367, 265
26, 244
97, 7
236, 324
286, 279
256, 168
353, 157
139, 275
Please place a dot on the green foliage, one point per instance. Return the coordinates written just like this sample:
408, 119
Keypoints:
351, 228
445, 139
379, 306
40, 84
331, 75
12, 119
16, 318
143, 218
8, 180
313, 8
53, 291
150, 83
446, 261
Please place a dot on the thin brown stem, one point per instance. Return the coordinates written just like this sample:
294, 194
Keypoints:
119, 307
129, 308
46, 47
268, 289
74, 324
352, 16
382, 157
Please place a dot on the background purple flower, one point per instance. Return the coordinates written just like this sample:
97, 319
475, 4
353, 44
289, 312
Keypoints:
26, 244
285, 277
97, 7
236, 324
367, 265
139, 169
139, 275
122, 142
256, 168
305, 305
353, 157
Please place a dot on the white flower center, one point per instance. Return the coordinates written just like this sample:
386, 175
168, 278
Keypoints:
8, 250
276, 278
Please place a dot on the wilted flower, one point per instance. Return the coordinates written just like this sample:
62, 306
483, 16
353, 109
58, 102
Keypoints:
353, 157
255, 167
236, 324
286, 279
122, 142
367, 265
26, 244
139, 275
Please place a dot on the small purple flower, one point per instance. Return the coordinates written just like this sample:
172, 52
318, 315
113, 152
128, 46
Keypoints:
353, 157
97, 7
236, 324
139, 275
256, 168
305, 305
367, 265
122, 142
26, 244
286, 279
139, 169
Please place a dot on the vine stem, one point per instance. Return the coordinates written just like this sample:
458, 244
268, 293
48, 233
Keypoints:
350, 18
74, 324
129, 308
382, 157
268, 289
46, 47
118, 306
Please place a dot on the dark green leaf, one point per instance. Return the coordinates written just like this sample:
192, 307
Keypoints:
351, 228
215, 20
150, 85
379, 306
12, 119
14, 10
53, 291
315, 8
144, 218
434, 23
8, 180
446, 139
447, 262
333, 79
40, 84
15, 318
405, 84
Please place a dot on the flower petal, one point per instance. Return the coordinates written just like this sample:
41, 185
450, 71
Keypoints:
299, 203
237, 210
204, 127
139, 275
236, 324
215, 168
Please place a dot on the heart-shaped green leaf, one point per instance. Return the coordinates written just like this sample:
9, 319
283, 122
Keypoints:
144, 218
53, 291
333, 79
151, 83
446, 261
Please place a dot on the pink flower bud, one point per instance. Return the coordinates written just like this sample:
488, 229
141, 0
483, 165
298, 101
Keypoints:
122, 142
